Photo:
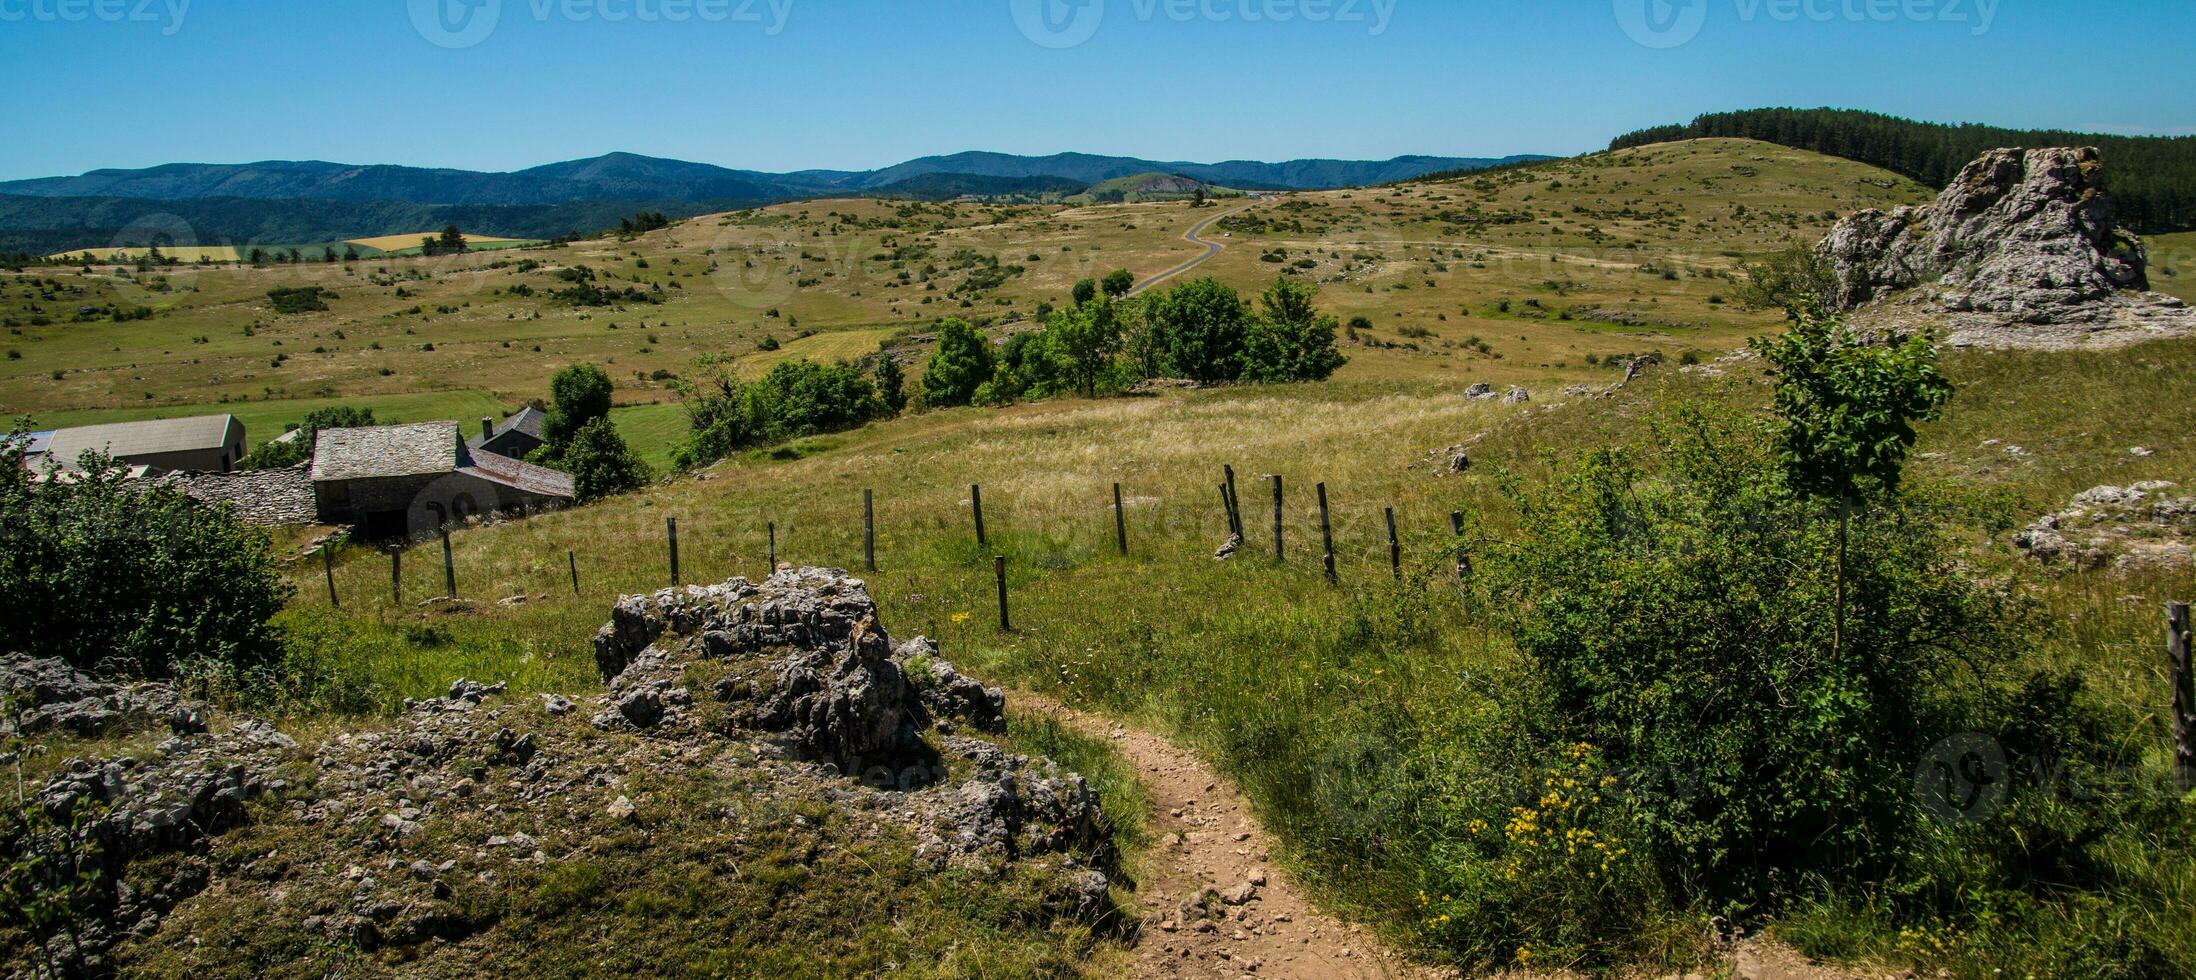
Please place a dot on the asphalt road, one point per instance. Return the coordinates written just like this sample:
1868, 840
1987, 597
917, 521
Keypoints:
1194, 237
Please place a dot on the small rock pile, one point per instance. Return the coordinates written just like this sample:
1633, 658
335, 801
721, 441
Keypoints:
2020, 251
53, 695
2133, 527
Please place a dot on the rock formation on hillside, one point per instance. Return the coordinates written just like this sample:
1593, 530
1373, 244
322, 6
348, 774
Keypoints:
2021, 250
759, 698
2133, 527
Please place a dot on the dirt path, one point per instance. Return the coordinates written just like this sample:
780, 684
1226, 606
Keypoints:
1213, 904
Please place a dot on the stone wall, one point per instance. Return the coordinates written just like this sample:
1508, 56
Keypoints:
264, 497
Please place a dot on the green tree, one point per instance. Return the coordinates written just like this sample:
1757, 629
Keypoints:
891, 383
1204, 323
126, 579
578, 394
1085, 290
1291, 340
1848, 409
601, 463
961, 363
1118, 283
277, 454
1086, 338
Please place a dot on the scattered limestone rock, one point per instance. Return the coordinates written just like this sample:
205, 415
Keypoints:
1480, 392
2137, 526
55, 695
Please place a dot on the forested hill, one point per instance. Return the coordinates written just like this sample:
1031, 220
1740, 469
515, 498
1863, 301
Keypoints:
2153, 179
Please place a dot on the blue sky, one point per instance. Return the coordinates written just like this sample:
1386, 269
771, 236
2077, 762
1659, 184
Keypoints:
852, 84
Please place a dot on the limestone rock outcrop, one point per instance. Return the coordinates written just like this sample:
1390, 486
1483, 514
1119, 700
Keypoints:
2021, 250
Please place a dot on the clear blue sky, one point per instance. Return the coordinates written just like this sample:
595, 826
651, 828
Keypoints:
854, 84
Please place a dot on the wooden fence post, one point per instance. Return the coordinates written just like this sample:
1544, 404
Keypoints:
1277, 553
572, 558
449, 568
976, 500
1227, 509
1456, 530
869, 530
1120, 522
1235, 502
671, 533
773, 549
396, 575
998, 568
2184, 696
1395, 546
327, 565
1326, 534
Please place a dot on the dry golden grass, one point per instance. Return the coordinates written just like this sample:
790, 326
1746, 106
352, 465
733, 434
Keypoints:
180, 253
395, 243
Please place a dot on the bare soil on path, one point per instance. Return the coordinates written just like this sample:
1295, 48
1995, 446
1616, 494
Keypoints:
1213, 904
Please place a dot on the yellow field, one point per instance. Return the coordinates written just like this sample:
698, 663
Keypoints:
394, 243
823, 348
181, 253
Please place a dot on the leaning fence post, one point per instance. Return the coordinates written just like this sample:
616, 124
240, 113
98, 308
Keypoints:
869, 530
327, 565
1120, 521
572, 558
998, 569
396, 575
1326, 534
1456, 530
1395, 546
671, 532
449, 567
1277, 518
1227, 509
773, 548
2184, 696
976, 500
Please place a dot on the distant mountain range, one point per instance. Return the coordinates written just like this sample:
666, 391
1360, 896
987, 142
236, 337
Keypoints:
287, 202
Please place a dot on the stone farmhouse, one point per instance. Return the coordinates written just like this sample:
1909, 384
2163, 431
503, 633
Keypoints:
408, 480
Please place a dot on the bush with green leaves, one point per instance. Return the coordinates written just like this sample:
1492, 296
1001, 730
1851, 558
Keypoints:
127, 579
797, 398
601, 463
578, 394
290, 452
1290, 340
1200, 328
961, 363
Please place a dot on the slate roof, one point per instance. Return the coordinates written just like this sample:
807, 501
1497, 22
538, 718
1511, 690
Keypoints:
384, 451
529, 420
425, 449
126, 439
520, 475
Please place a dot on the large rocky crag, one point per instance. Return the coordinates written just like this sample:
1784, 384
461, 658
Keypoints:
789, 690
2021, 250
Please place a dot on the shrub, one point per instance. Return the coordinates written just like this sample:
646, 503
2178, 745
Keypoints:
961, 363
1290, 341
797, 398
296, 299
579, 394
130, 580
601, 463
1203, 324
274, 455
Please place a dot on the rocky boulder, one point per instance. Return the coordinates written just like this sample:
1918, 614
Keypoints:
2139, 526
2020, 250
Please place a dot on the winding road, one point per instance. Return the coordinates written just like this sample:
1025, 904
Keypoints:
1192, 236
